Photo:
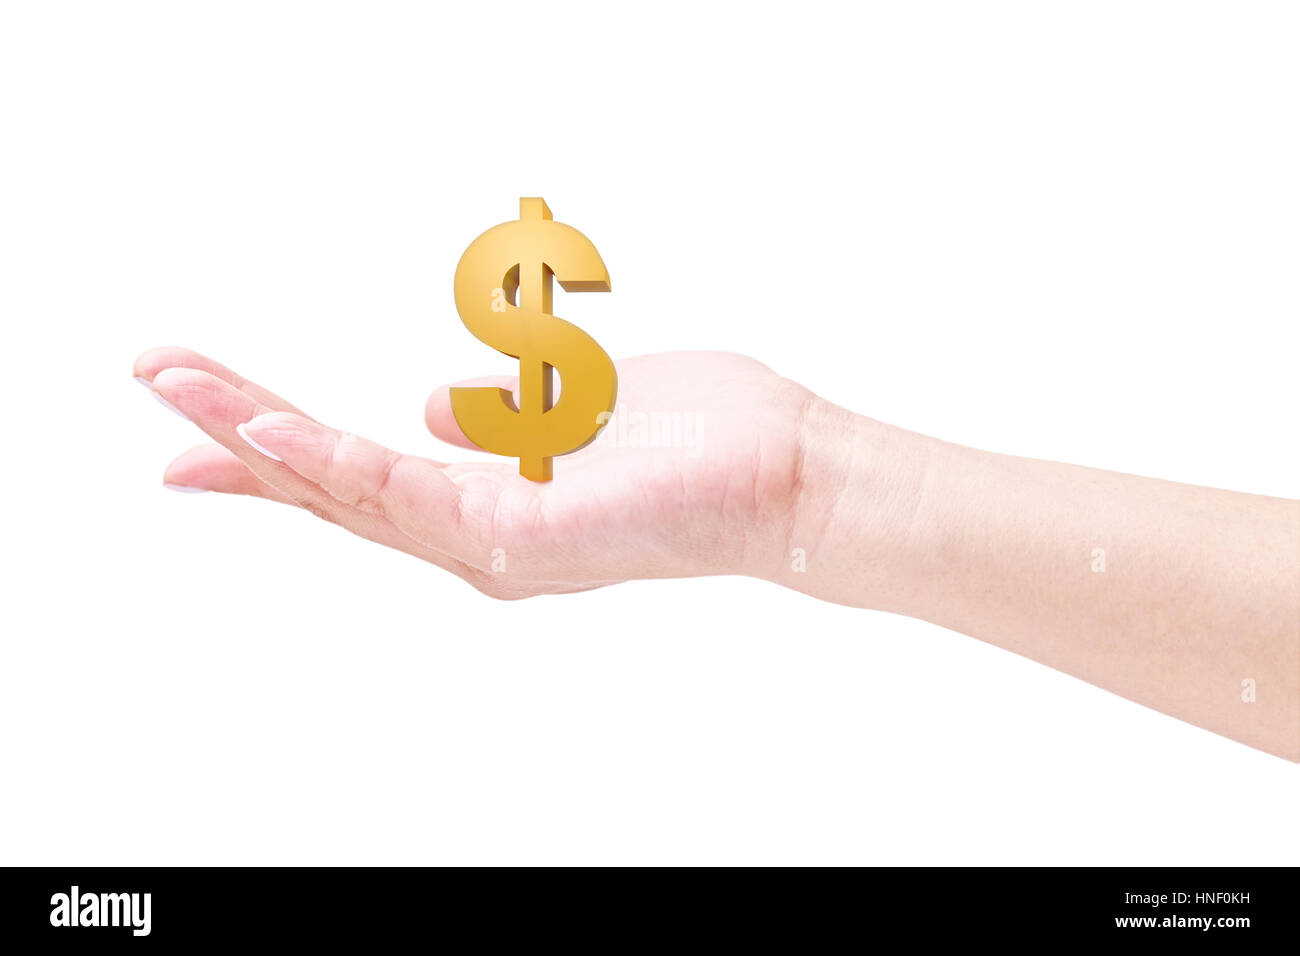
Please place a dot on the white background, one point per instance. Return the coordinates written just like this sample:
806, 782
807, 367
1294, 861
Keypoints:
1066, 231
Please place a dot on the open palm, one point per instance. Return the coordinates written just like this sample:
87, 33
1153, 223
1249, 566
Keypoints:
696, 473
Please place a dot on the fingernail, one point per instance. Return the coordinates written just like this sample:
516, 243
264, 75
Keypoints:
184, 489
244, 435
168, 405
145, 382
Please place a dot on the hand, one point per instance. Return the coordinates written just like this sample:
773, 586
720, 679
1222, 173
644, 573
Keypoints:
1002, 548
696, 473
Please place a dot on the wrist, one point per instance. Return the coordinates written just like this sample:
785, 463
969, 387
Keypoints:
851, 510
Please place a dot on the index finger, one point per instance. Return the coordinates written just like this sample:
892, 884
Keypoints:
150, 363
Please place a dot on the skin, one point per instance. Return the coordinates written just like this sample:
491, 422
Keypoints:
1199, 590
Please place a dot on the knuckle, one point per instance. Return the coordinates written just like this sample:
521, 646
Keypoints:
362, 473
384, 480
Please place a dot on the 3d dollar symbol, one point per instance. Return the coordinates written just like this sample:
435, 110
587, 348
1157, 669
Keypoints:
503, 295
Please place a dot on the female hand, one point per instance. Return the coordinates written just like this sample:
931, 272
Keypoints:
696, 473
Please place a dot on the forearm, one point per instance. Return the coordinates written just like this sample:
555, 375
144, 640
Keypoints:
1169, 594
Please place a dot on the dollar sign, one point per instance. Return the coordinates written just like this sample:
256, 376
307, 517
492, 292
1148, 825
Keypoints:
513, 265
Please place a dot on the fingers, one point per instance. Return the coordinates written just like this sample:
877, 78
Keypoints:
150, 363
397, 500
219, 409
437, 410
415, 494
267, 448
211, 467
214, 468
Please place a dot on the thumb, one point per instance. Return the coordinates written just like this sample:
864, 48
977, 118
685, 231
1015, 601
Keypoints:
437, 410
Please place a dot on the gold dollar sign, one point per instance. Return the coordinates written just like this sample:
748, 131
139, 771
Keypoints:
503, 295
